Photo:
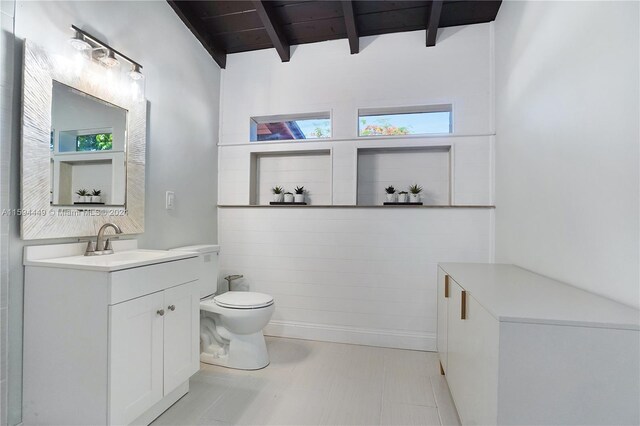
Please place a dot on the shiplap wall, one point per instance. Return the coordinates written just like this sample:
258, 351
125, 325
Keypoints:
354, 275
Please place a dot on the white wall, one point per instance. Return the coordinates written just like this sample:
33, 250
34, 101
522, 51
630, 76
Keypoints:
182, 87
357, 274
567, 147
6, 135
354, 275
391, 70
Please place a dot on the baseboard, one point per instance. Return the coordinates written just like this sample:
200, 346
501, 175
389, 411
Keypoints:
353, 335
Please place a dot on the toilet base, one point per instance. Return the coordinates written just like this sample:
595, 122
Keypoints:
244, 352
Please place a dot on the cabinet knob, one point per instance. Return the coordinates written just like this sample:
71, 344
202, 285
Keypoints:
160, 312
172, 307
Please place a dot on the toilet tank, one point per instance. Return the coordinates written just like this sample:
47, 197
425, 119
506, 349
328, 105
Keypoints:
208, 264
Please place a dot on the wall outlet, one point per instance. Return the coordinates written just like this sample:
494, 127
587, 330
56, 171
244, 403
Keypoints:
170, 200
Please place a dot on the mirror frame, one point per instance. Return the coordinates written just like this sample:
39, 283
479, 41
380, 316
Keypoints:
39, 219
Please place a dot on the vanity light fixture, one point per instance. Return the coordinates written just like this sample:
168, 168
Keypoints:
102, 52
135, 73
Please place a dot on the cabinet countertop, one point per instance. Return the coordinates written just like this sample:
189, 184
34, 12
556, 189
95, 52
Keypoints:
514, 294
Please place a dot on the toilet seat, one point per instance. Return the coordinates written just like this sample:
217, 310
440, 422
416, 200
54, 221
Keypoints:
243, 300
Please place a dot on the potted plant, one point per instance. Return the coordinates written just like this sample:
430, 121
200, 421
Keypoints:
83, 194
403, 197
95, 196
298, 197
415, 191
278, 194
391, 193
288, 197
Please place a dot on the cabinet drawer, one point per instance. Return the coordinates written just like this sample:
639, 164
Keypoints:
131, 283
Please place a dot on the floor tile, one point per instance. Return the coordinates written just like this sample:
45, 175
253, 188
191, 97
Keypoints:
444, 402
320, 383
394, 414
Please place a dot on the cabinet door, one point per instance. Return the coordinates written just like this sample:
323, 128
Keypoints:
135, 356
443, 298
181, 334
472, 365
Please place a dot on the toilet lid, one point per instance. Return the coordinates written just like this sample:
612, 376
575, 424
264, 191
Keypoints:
243, 300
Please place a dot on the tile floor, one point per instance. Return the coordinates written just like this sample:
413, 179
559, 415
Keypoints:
320, 383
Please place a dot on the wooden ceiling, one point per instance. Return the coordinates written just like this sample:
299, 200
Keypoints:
225, 27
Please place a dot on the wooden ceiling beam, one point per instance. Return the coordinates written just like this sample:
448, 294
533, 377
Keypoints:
269, 20
350, 24
434, 22
194, 23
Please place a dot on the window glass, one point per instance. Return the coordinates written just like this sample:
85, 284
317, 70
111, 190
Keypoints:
290, 128
404, 123
94, 142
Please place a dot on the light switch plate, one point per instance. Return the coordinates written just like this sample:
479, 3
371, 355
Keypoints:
170, 200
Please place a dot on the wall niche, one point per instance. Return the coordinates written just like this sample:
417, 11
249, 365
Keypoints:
308, 168
429, 167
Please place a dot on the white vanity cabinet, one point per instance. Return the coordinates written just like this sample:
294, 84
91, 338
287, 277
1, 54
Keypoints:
108, 347
520, 348
151, 349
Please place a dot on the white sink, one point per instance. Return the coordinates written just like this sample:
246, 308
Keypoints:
126, 256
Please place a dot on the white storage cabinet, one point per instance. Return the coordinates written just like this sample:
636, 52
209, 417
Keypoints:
521, 348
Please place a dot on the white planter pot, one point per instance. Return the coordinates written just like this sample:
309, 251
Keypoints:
288, 198
415, 198
86, 199
391, 198
403, 198
298, 198
278, 198
96, 198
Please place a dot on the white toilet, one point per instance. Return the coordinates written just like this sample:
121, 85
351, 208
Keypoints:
231, 323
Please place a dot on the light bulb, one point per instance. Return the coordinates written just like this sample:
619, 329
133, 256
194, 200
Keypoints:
78, 42
135, 73
110, 59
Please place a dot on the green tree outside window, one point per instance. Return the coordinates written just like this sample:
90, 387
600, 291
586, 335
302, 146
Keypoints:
96, 142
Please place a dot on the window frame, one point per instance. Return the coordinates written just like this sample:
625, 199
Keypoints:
400, 110
320, 115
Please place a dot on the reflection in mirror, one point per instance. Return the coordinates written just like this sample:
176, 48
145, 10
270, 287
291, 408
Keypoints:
88, 150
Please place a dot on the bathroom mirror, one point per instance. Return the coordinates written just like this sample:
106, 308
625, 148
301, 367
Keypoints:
83, 147
88, 150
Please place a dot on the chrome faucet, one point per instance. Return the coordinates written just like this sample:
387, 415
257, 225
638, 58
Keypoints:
102, 247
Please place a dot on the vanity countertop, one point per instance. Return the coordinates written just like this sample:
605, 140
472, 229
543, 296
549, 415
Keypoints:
126, 256
514, 294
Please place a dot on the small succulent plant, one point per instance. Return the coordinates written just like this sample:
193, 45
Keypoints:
288, 193
299, 190
415, 189
403, 192
96, 192
390, 189
277, 190
82, 192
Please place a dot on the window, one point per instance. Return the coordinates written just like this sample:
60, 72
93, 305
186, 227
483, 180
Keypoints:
292, 127
94, 142
425, 120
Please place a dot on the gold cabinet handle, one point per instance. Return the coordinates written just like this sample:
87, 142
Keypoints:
463, 305
446, 286
160, 312
172, 307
